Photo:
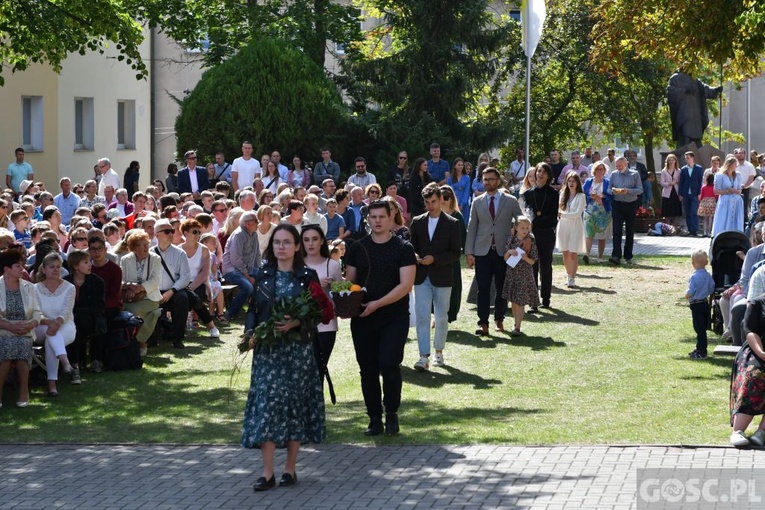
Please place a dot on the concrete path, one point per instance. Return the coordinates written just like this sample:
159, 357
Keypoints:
651, 245
385, 477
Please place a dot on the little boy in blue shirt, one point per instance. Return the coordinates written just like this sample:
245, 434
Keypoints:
21, 233
700, 287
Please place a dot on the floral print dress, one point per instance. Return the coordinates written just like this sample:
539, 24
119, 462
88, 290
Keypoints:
285, 401
520, 287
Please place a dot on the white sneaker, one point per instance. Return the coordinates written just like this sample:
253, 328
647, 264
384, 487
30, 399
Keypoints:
571, 282
422, 364
737, 438
438, 360
214, 333
758, 437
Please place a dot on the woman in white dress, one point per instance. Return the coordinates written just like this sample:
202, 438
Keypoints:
56, 299
199, 267
569, 238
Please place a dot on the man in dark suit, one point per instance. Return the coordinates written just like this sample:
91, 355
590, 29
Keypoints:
491, 220
437, 242
192, 182
689, 188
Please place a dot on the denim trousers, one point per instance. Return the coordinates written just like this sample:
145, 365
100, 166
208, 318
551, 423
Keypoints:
427, 296
243, 294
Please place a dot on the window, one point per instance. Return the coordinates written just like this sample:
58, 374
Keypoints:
83, 123
32, 123
126, 124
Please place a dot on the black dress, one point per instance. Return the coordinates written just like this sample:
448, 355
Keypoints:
416, 184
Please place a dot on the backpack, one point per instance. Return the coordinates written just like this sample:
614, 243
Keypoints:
122, 350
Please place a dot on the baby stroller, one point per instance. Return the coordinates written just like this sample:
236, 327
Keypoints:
726, 269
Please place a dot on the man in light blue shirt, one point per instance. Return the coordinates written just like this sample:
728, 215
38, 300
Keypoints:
626, 187
438, 168
18, 171
66, 201
222, 169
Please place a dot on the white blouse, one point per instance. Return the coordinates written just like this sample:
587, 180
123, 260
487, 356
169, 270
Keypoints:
59, 303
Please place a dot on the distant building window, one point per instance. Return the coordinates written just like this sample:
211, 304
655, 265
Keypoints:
515, 14
32, 123
83, 123
126, 124
340, 48
202, 46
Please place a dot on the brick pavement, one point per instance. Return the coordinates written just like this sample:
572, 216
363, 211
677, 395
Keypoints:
343, 476
351, 476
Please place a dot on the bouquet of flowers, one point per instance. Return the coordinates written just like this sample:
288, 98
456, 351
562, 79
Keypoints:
311, 306
643, 212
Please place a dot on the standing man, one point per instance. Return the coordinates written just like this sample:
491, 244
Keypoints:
66, 201
517, 170
245, 169
575, 165
688, 188
610, 161
175, 277
438, 168
748, 174
437, 243
240, 259
326, 169
276, 157
626, 186
386, 265
192, 178
646, 179
108, 176
222, 169
557, 167
491, 220
18, 171
587, 158
361, 178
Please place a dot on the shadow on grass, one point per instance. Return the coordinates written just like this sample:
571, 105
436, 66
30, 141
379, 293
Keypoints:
557, 315
438, 377
536, 343
428, 422
582, 288
473, 340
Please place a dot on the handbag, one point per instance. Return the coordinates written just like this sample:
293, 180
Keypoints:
127, 297
194, 300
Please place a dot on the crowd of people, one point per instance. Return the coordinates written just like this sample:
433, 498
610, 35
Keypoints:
263, 230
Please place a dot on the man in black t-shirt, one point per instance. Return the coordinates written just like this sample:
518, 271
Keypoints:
386, 266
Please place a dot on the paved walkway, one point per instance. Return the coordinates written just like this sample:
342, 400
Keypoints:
652, 245
351, 477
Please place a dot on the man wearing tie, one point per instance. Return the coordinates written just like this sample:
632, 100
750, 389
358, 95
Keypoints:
491, 219
192, 182
688, 189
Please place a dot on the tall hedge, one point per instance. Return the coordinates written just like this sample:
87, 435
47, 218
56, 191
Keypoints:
270, 94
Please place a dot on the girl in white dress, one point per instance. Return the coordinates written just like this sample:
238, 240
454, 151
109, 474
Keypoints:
569, 238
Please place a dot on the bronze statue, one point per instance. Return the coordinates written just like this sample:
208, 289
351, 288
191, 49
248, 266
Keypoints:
687, 99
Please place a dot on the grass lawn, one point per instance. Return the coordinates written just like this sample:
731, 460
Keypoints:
607, 365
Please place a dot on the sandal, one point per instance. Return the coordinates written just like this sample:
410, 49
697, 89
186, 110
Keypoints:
516, 332
222, 319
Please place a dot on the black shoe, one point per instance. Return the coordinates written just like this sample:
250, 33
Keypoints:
261, 484
614, 261
545, 304
375, 427
178, 344
586, 259
288, 480
391, 425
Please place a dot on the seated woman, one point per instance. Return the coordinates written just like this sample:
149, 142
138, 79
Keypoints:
199, 267
89, 307
56, 328
19, 316
140, 284
747, 383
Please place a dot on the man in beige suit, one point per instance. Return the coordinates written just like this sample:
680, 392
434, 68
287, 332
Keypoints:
491, 220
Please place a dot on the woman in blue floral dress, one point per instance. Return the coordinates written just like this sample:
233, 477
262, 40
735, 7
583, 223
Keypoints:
285, 404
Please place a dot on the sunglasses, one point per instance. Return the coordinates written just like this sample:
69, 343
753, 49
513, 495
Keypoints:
373, 192
194, 232
166, 231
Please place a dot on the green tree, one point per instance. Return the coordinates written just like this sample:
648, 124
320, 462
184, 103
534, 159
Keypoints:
47, 31
424, 73
695, 32
268, 93
229, 25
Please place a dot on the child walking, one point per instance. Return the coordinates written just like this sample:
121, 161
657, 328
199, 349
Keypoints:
700, 287
520, 288
708, 203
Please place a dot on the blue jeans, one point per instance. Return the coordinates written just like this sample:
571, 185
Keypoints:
242, 295
647, 193
425, 295
691, 209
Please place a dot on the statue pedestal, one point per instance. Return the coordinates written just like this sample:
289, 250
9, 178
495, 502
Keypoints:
703, 154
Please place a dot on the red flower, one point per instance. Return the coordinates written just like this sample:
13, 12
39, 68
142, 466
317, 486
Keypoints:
327, 308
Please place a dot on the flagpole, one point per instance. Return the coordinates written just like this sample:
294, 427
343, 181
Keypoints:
528, 110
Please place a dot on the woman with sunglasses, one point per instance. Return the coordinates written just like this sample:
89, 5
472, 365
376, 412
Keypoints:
401, 174
199, 267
